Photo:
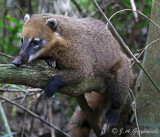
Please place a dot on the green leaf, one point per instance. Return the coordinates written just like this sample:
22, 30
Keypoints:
12, 18
126, 1
9, 28
8, 135
17, 87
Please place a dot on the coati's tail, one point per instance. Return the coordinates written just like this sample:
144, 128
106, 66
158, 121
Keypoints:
78, 125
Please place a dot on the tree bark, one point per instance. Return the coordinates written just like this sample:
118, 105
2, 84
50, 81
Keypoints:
148, 98
38, 74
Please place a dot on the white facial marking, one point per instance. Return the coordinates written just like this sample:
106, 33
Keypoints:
31, 57
57, 34
34, 56
35, 47
37, 39
26, 17
29, 40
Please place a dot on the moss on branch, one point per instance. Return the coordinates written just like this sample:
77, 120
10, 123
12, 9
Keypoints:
38, 74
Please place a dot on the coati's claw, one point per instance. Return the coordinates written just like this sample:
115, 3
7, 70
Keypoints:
51, 62
105, 129
111, 119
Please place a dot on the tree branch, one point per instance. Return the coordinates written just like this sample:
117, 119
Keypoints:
5, 55
38, 74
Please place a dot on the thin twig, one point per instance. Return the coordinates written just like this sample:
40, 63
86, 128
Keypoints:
135, 112
20, 97
77, 5
134, 9
8, 56
24, 97
143, 16
115, 31
5, 121
67, 11
139, 12
125, 46
32, 119
146, 48
51, 120
35, 115
149, 19
80, 10
17, 90
23, 124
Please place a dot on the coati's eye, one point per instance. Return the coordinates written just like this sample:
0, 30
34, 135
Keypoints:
35, 41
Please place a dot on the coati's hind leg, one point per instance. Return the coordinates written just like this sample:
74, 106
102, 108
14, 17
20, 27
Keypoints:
78, 125
118, 87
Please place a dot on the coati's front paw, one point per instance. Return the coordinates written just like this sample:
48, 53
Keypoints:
53, 86
51, 62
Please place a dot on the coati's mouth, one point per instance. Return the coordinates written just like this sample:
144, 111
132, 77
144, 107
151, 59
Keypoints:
19, 60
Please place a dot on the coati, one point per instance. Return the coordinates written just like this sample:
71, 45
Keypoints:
80, 48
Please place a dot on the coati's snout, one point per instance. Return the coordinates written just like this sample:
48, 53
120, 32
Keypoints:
30, 50
18, 61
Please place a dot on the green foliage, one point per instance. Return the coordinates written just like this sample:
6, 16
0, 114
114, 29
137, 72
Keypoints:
14, 28
125, 21
10, 28
72, 100
71, 110
86, 6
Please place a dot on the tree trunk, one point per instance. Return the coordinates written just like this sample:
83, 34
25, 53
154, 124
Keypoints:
148, 98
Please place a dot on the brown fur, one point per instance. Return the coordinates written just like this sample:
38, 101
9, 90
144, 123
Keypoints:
98, 103
82, 49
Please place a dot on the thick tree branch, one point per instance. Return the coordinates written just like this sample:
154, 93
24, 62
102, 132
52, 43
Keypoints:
38, 74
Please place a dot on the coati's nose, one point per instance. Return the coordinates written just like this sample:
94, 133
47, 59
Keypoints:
16, 62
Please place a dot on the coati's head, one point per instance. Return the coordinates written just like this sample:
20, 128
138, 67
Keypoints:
39, 38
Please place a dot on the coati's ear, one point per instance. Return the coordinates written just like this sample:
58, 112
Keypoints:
52, 23
26, 17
